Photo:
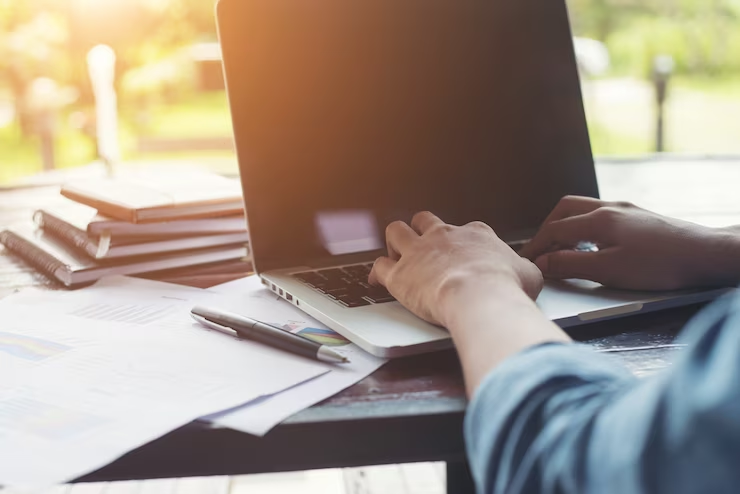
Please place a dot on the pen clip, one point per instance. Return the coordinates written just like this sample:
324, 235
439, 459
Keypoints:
213, 325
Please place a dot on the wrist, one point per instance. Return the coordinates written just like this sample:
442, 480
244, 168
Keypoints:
722, 257
493, 321
484, 298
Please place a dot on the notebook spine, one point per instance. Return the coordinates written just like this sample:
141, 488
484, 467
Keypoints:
35, 257
71, 236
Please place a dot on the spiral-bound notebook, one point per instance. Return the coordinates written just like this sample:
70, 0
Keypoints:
108, 246
51, 257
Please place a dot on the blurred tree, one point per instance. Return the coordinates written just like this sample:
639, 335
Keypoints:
31, 44
50, 38
598, 19
703, 36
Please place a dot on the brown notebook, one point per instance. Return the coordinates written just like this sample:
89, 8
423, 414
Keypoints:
159, 196
53, 258
110, 247
85, 219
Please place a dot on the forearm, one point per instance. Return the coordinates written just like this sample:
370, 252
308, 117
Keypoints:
494, 323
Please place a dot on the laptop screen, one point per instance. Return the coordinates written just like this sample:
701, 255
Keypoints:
351, 114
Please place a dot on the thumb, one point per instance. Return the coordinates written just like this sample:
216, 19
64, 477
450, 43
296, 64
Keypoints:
566, 264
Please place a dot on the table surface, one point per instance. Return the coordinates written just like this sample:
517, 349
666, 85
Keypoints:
412, 408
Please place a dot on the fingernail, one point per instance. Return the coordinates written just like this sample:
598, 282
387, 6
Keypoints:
542, 263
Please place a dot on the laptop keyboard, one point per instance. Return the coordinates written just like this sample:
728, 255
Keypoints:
346, 285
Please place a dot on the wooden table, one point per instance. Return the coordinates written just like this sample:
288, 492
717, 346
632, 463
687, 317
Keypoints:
412, 409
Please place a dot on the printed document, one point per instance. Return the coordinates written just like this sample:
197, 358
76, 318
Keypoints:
92, 374
248, 297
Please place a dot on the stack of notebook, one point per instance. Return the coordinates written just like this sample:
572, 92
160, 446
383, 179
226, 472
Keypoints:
132, 226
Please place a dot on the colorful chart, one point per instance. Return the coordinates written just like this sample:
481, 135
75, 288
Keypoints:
292, 326
324, 336
47, 420
29, 348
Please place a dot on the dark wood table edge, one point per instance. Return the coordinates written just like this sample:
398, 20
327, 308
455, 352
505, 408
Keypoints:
200, 450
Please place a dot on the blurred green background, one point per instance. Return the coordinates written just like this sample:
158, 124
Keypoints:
172, 106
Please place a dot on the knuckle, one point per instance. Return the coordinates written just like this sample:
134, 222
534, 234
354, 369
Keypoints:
608, 215
439, 228
480, 225
439, 232
623, 205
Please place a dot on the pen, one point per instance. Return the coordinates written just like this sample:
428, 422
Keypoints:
252, 329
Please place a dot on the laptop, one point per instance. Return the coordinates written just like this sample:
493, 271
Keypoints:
349, 115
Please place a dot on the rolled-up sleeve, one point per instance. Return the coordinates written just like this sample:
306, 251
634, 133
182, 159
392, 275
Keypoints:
561, 418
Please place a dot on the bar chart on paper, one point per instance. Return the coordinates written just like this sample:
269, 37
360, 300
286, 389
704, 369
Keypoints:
323, 336
28, 347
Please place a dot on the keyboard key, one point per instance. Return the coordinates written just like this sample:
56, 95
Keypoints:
350, 300
348, 285
380, 299
336, 291
311, 278
333, 274
357, 272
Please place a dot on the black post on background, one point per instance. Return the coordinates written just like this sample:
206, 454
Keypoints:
662, 70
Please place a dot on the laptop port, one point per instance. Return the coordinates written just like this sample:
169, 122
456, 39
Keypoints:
289, 296
281, 292
274, 288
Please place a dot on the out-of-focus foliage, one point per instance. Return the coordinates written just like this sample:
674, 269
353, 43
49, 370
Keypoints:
702, 36
50, 38
156, 71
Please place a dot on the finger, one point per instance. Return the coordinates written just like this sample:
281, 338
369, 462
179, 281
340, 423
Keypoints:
566, 233
398, 237
381, 271
566, 264
573, 206
425, 221
567, 207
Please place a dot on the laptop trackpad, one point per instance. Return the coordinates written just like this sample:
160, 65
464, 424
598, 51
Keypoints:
573, 302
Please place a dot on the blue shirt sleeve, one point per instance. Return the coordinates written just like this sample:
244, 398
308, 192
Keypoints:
561, 418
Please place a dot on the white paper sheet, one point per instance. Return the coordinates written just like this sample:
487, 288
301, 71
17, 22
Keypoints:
90, 375
250, 298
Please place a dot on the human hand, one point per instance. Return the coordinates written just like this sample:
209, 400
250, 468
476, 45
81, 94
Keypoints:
432, 266
638, 249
